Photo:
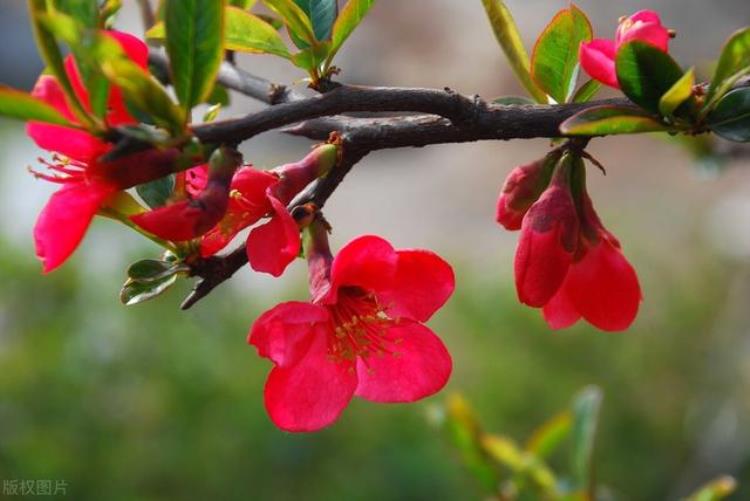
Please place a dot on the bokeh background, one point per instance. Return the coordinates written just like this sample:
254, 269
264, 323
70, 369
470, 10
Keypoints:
148, 402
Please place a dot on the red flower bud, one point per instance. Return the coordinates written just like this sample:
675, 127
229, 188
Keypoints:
522, 188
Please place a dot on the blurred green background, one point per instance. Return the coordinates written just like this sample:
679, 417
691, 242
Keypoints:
152, 403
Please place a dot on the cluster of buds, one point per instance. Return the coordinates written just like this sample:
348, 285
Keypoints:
567, 263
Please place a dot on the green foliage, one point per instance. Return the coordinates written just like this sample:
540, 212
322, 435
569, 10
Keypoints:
22, 106
585, 410
246, 32
157, 192
137, 291
322, 14
646, 73
678, 94
195, 44
554, 61
587, 91
606, 120
734, 62
716, 490
731, 118
297, 22
509, 38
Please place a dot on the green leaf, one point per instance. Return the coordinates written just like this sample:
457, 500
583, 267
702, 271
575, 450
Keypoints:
152, 270
680, 92
349, 18
546, 438
585, 410
508, 36
645, 73
157, 192
554, 61
134, 292
311, 58
242, 4
731, 117
138, 87
587, 91
513, 101
195, 44
219, 95
84, 12
52, 57
716, 490
322, 14
246, 32
734, 62
297, 22
22, 106
609, 120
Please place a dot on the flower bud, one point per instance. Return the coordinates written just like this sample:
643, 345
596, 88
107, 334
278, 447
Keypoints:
522, 188
296, 176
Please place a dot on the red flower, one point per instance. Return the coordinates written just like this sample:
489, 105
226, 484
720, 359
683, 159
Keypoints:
68, 213
362, 335
569, 264
598, 56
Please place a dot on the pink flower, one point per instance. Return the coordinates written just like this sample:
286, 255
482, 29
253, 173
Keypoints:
362, 334
568, 264
598, 56
86, 184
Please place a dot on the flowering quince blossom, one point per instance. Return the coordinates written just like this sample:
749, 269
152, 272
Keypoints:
598, 56
252, 195
86, 184
361, 335
568, 264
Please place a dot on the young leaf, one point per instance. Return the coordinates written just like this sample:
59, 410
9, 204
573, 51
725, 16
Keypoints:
547, 437
554, 61
734, 62
509, 38
587, 91
585, 418
138, 87
715, 490
22, 106
322, 14
731, 117
195, 44
85, 12
349, 18
151, 270
680, 92
645, 73
297, 22
248, 33
137, 292
609, 120
52, 57
157, 192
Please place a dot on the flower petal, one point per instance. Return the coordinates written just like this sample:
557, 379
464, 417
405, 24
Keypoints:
604, 287
369, 262
176, 222
418, 366
560, 312
546, 246
283, 333
64, 220
272, 246
312, 393
75, 144
598, 60
422, 284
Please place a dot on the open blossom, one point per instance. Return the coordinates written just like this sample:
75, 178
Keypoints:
361, 335
86, 184
568, 263
598, 56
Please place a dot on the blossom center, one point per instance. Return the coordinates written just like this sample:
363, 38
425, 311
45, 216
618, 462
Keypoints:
63, 170
359, 326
